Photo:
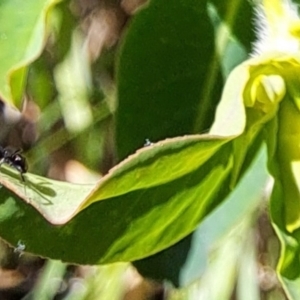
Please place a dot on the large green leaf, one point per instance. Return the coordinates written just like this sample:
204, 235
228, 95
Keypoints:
157, 164
125, 227
151, 166
168, 74
22, 36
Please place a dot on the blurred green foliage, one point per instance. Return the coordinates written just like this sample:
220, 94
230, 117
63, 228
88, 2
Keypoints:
105, 84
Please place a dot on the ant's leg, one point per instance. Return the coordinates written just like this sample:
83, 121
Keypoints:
22, 177
24, 182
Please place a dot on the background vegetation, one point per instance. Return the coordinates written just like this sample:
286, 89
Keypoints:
95, 81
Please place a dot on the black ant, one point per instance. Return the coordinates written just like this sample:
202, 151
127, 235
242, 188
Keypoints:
14, 159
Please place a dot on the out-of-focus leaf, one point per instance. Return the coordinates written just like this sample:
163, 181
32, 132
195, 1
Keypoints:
73, 81
168, 75
238, 16
49, 281
223, 266
22, 36
240, 203
106, 282
230, 50
247, 283
40, 84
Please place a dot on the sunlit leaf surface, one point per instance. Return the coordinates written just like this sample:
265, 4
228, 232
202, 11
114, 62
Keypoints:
114, 229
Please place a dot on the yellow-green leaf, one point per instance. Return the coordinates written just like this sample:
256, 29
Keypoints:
22, 37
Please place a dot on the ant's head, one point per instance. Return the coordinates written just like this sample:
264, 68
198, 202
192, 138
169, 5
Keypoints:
18, 162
